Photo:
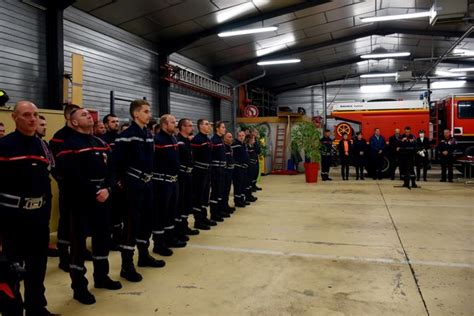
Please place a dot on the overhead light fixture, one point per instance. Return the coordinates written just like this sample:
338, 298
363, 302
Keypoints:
381, 75
376, 88
461, 69
463, 52
448, 84
385, 55
279, 62
248, 31
442, 73
415, 15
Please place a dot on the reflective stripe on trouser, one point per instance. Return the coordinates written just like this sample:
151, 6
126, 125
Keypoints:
25, 238
200, 181
185, 200
138, 217
165, 205
227, 184
239, 179
93, 218
217, 186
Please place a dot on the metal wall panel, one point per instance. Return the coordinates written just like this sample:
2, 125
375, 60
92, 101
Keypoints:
188, 104
23, 52
111, 64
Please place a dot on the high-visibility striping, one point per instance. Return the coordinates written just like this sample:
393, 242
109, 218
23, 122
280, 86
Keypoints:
26, 157
80, 151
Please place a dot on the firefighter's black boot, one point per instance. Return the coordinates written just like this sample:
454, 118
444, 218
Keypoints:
128, 271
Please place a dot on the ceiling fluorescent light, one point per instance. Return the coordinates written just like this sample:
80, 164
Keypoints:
448, 84
442, 73
399, 16
235, 11
278, 62
248, 31
463, 52
461, 69
385, 55
381, 75
376, 88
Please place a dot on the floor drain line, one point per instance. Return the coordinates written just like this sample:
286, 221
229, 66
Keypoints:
404, 252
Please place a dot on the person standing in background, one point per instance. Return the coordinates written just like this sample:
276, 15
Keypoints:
359, 152
421, 157
326, 155
345, 152
377, 146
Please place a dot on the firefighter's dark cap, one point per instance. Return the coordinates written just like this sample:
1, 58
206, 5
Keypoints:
421, 131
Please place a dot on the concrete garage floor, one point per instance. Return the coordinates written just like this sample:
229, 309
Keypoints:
332, 248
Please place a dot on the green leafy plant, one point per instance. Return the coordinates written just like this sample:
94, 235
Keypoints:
262, 131
306, 136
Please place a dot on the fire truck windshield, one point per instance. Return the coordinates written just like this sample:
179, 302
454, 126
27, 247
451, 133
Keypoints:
466, 109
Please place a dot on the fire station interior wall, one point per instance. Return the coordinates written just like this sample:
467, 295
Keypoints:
311, 98
55, 121
185, 103
23, 52
117, 61
226, 114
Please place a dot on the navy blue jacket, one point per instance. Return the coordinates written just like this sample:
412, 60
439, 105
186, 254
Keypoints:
83, 161
407, 144
241, 155
134, 148
377, 144
202, 150
229, 157
24, 166
253, 156
185, 152
326, 146
166, 154
448, 144
218, 151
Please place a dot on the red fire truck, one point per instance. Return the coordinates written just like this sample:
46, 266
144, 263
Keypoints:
455, 112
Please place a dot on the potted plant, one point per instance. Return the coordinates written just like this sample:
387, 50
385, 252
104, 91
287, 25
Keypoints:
306, 136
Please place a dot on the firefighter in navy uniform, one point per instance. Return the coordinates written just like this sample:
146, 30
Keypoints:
218, 163
25, 205
407, 157
166, 188
133, 156
201, 146
326, 155
241, 159
421, 157
258, 148
185, 202
252, 170
112, 125
446, 147
87, 183
228, 173
63, 224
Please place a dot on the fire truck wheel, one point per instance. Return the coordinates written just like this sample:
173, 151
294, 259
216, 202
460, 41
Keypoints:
386, 166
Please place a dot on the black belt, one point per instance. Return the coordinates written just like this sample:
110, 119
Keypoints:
21, 202
165, 177
145, 177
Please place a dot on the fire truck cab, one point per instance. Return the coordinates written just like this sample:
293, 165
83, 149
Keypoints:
456, 113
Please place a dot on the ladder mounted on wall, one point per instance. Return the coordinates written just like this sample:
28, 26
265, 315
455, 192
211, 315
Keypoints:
197, 82
279, 159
